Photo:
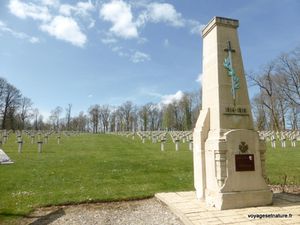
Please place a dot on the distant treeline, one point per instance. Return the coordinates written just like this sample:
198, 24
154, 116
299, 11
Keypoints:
177, 115
18, 113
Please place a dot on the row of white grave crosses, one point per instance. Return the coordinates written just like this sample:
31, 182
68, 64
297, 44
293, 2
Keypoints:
38, 137
162, 136
282, 136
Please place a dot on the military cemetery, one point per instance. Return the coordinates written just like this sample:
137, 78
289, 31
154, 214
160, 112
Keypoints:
100, 139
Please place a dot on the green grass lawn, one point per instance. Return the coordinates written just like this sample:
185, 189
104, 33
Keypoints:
90, 168
281, 162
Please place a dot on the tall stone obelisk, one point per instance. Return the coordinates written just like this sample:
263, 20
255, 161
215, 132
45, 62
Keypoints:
229, 163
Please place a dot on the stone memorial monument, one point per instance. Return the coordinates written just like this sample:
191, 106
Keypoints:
229, 157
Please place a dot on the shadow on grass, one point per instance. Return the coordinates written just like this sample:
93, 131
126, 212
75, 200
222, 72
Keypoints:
49, 218
5, 215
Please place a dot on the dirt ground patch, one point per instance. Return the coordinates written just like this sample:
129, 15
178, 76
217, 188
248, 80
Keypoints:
142, 212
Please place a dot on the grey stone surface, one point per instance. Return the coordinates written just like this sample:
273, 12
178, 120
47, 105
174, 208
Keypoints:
4, 159
142, 212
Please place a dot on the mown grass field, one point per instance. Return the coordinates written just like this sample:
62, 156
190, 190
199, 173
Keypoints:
91, 168
282, 162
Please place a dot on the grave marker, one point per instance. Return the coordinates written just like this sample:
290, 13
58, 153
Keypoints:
20, 145
191, 144
40, 146
162, 144
176, 144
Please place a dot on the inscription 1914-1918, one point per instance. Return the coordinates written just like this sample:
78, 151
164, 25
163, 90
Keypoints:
236, 111
244, 162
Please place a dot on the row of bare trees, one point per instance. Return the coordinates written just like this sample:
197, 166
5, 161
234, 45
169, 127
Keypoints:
17, 112
14, 108
178, 115
277, 104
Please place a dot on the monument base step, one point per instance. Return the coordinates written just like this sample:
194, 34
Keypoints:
242, 199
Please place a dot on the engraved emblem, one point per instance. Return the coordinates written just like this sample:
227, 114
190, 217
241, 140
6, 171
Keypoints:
243, 147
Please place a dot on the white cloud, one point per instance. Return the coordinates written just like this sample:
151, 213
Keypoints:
92, 23
199, 78
64, 25
31, 10
50, 2
85, 6
90, 96
142, 40
34, 40
116, 49
134, 56
164, 12
66, 9
67, 29
138, 57
20, 35
166, 43
120, 51
195, 27
148, 91
109, 40
119, 14
168, 99
81, 9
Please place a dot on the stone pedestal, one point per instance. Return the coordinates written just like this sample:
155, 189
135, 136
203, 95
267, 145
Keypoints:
229, 162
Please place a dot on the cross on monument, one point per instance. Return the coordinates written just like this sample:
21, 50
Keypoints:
235, 81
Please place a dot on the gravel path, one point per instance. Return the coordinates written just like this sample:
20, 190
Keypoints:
142, 212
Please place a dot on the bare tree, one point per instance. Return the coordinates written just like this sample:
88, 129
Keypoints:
80, 122
168, 117
55, 117
94, 112
155, 117
279, 96
294, 116
143, 113
11, 100
267, 87
288, 69
196, 98
186, 107
25, 110
127, 111
105, 116
68, 115
3, 84
35, 115
113, 120
40, 123
259, 111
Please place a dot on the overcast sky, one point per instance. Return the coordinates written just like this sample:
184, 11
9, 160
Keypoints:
109, 51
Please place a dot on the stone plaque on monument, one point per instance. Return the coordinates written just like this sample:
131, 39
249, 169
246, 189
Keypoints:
244, 162
225, 125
